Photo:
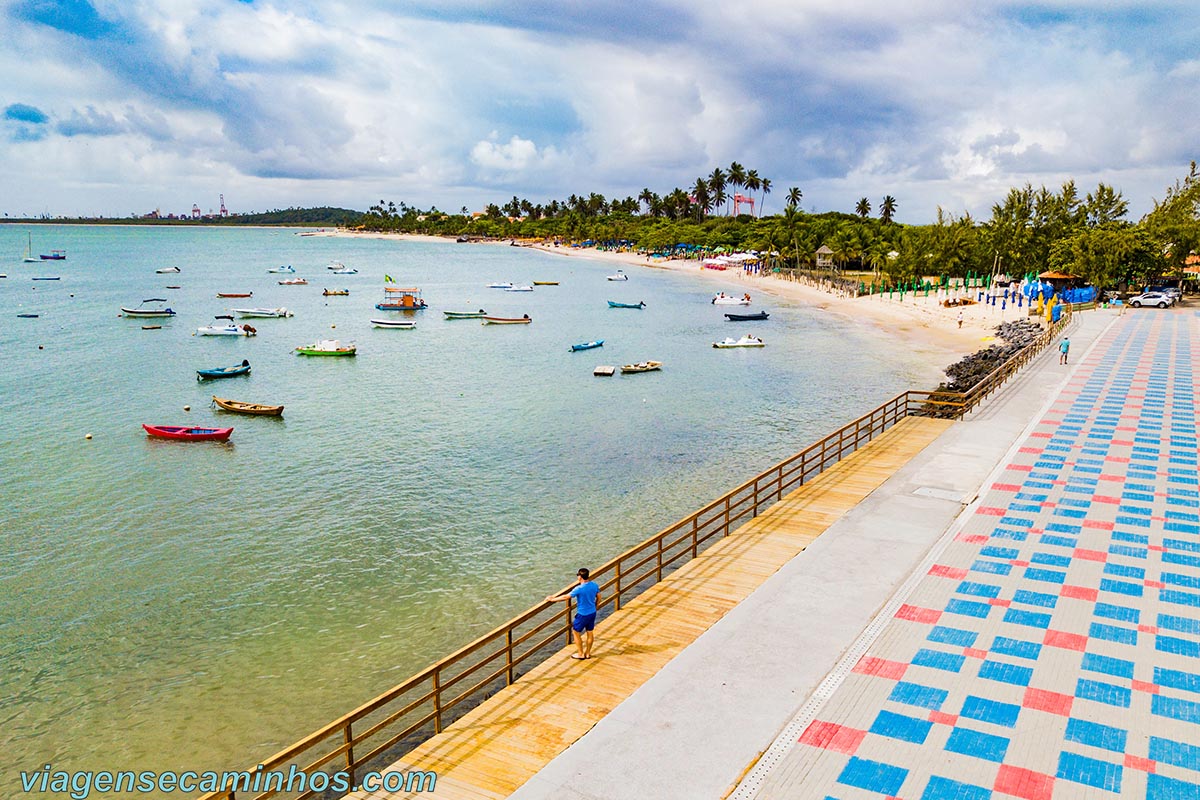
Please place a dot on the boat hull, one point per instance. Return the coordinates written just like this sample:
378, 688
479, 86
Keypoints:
394, 323
134, 312
235, 294
576, 348
465, 314
253, 409
223, 372
747, 317
644, 366
612, 304
263, 313
506, 321
188, 434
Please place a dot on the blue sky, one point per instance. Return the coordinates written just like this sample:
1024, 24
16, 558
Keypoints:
113, 107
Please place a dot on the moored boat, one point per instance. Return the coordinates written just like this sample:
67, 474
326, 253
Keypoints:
188, 433
642, 366
226, 329
286, 269
327, 347
745, 341
747, 317
480, 314
722, 299
148, 312
235, 294
522, 320
293, 282
54, 255
395, 299
545, 283
401, 324
28, 257
263, 313
335, 265
49, 278
166, 270
335, 292
345, 271
575, 348
238, 407
615, 304
519, 289
499, 286
223, 372
618, 276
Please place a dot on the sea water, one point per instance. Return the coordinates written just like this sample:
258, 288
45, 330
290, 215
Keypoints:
168, 605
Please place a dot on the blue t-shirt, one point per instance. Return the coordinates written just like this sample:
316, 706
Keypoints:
585, 597
1066, 344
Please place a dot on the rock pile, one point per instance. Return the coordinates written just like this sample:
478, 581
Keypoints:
971, 370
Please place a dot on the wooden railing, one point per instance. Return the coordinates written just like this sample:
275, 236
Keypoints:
380, 731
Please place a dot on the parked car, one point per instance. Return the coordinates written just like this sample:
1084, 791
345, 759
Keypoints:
1158, 299
1168, 290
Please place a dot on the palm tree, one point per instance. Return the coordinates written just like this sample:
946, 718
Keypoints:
794, 196
766, 190
700, 198
753, 184
887, 209
716, 182
863, 209
737, 176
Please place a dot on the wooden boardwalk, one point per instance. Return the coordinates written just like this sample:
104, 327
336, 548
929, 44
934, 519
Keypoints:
500, 745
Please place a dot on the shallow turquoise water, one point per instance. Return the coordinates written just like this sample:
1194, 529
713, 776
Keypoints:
168, 605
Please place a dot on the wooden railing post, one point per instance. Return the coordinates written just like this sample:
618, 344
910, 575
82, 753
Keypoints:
437, 700
509, 655
617, 596
695, 535
348, 738
658, 572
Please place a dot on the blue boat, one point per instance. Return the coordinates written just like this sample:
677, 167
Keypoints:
614, 304
575, 348
224, 372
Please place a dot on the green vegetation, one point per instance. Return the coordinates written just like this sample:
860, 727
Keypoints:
1029, 231
323, 217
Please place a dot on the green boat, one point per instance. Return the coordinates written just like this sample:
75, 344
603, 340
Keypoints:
327, 347
480, 314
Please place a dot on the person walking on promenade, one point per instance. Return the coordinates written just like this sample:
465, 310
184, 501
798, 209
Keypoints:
587, 595
960, 317
1063, 348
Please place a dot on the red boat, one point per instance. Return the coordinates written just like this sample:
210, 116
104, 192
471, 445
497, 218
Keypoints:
188, 433
235, 294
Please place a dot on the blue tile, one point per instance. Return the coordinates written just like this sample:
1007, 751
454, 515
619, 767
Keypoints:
980, 745
1177, 679
1179, 598
1005, 673
1141, 511
1180, 527
1035, 497
1121, 587
1180, 544
1175, 579
1008, 533
1112, 633
954, 636
1058, 541
899, 726
1182, 516
1026, 597
1072, 502
1122, 571
1121, 613
1107, 665
1000, 552
993, 567
1179, 754
915, 694
1138, 522
873, 776
995, 712
940, 788
1140, 497
1179, 624
978, 589
1095, 735
1180, 647
1059, 527
1107, 693
1045, 575
1050, 559
1016, 522
1089, 772
1070, 512
1019, 616
1181, 560
938, 660
1015, 647
1159, 787
1124, 536
967, 608
1174, 708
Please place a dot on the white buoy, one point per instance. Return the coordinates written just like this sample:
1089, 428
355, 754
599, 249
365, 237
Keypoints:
187, 408
88, 436
333, 326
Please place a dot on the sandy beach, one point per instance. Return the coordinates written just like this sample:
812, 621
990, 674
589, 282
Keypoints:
928, 327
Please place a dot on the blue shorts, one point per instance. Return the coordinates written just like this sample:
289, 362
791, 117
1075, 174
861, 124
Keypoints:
584, 622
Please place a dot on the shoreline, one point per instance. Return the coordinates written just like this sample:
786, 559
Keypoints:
930, 329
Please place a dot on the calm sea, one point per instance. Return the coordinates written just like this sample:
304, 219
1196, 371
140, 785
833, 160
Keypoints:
177, 605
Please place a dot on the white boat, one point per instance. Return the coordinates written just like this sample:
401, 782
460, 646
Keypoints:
345, 271
402, 324
723, 299
745, 341
286, 269
499, 286
519, 289
262, 312
29, 257
619, 276
165, 270
293, 282
142, 311
335, 265
226, 329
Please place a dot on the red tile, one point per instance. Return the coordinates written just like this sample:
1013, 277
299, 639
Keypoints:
1023, 783
971, 538
942, 571
1102, 498
1048, 701
830, 736
1020, 467
1091, 555
1033, 450
1117, 478
1148, 629
996, 601
1006, 487
880, 667
1129, 428
1154, 584
1122, 442
972, 652
943, 718
1098, 524
928, 616
1143, 764
1067, 641
1117, 459
1048, 504
991, 511
1040, 435
1143, 686
1158, 548
1079, 592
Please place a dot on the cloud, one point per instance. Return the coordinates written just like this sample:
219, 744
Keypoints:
19, 112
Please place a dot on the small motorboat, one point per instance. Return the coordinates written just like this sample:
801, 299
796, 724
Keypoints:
172, 287
345, 271
152, 327
545, 283
286, 269
575, 348
722, 299
480, 314
615, 304
187, 433
522, 320
335, 292
263, 313
519, 289
165, 270
499, 286
141, 311
238, 407
642, 366
57, 255
619, 275
395, 299
327, 347
335, 265
235, 294
293, 282
226, 329
402, 324
28, 316
745, 341
223, 372
49, 278
747, 317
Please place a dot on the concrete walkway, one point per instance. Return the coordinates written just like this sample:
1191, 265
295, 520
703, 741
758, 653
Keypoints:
704, 720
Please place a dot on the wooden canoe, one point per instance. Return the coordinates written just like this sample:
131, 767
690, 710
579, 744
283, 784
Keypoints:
545, 283
235, 294
238, 407
480, 314
189, 434
507, 320
642, 366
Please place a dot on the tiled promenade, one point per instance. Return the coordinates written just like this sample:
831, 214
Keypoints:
1053, 647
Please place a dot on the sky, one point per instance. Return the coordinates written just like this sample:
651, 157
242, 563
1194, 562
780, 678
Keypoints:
121, 107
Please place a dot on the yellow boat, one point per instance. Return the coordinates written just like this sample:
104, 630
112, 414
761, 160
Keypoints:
238, 407
642, 366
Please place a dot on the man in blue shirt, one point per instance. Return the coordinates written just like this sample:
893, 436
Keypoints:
586, 594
